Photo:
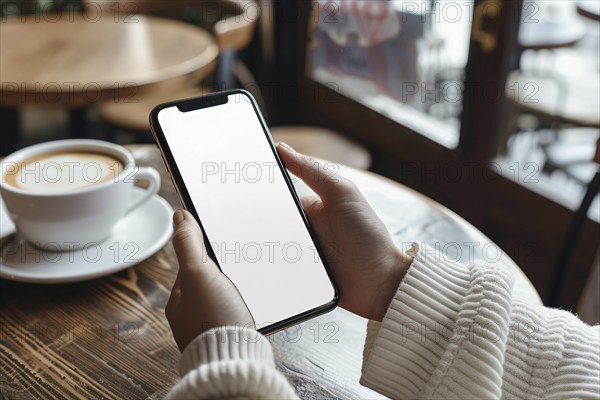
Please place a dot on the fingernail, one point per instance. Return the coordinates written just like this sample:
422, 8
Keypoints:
178, 218
287, 147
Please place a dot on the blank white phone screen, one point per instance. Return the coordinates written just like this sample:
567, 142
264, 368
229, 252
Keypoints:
248, 213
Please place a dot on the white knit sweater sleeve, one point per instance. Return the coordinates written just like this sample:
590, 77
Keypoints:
457, 331
230, 362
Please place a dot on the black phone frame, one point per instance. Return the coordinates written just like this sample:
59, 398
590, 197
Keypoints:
212, 100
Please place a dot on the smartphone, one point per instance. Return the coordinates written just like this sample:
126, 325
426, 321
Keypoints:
228, 174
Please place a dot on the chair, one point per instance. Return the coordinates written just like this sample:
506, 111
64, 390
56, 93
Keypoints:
323, 143
233, 32
561, 102
573, 234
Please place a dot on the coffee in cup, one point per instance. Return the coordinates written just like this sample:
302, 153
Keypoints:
68, 194
62, 171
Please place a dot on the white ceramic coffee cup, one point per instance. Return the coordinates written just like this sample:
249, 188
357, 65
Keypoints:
76, 218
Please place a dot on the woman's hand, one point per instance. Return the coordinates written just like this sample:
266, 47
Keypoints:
202, 296
366, 264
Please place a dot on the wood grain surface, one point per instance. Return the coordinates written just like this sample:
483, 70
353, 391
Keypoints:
109, 338
78, 59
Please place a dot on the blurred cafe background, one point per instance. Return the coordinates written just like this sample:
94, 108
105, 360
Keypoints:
489, 107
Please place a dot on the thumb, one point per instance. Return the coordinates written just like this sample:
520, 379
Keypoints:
326, 183
188, 242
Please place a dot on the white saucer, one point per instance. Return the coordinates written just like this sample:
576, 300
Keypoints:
136, 237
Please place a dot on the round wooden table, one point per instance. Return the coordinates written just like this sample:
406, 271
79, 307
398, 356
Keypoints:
76, 60
109, 337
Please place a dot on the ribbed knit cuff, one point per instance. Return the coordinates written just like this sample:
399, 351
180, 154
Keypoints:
230, 362
226, 343
445, 331
373, 328
410, 343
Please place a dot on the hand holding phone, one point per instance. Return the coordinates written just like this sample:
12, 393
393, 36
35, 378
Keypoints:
229, 176
340, 216
361, 254
366, 264
202, 296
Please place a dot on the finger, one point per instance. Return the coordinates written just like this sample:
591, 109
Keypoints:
329, 185
188, 242
308, 202
172, 303
176, 289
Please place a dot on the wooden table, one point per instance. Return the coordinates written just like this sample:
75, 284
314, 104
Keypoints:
81, 61
109, 338
77, 60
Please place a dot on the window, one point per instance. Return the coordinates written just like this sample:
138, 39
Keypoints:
404, 59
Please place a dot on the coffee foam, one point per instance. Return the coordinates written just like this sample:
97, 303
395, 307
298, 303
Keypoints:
64, 171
